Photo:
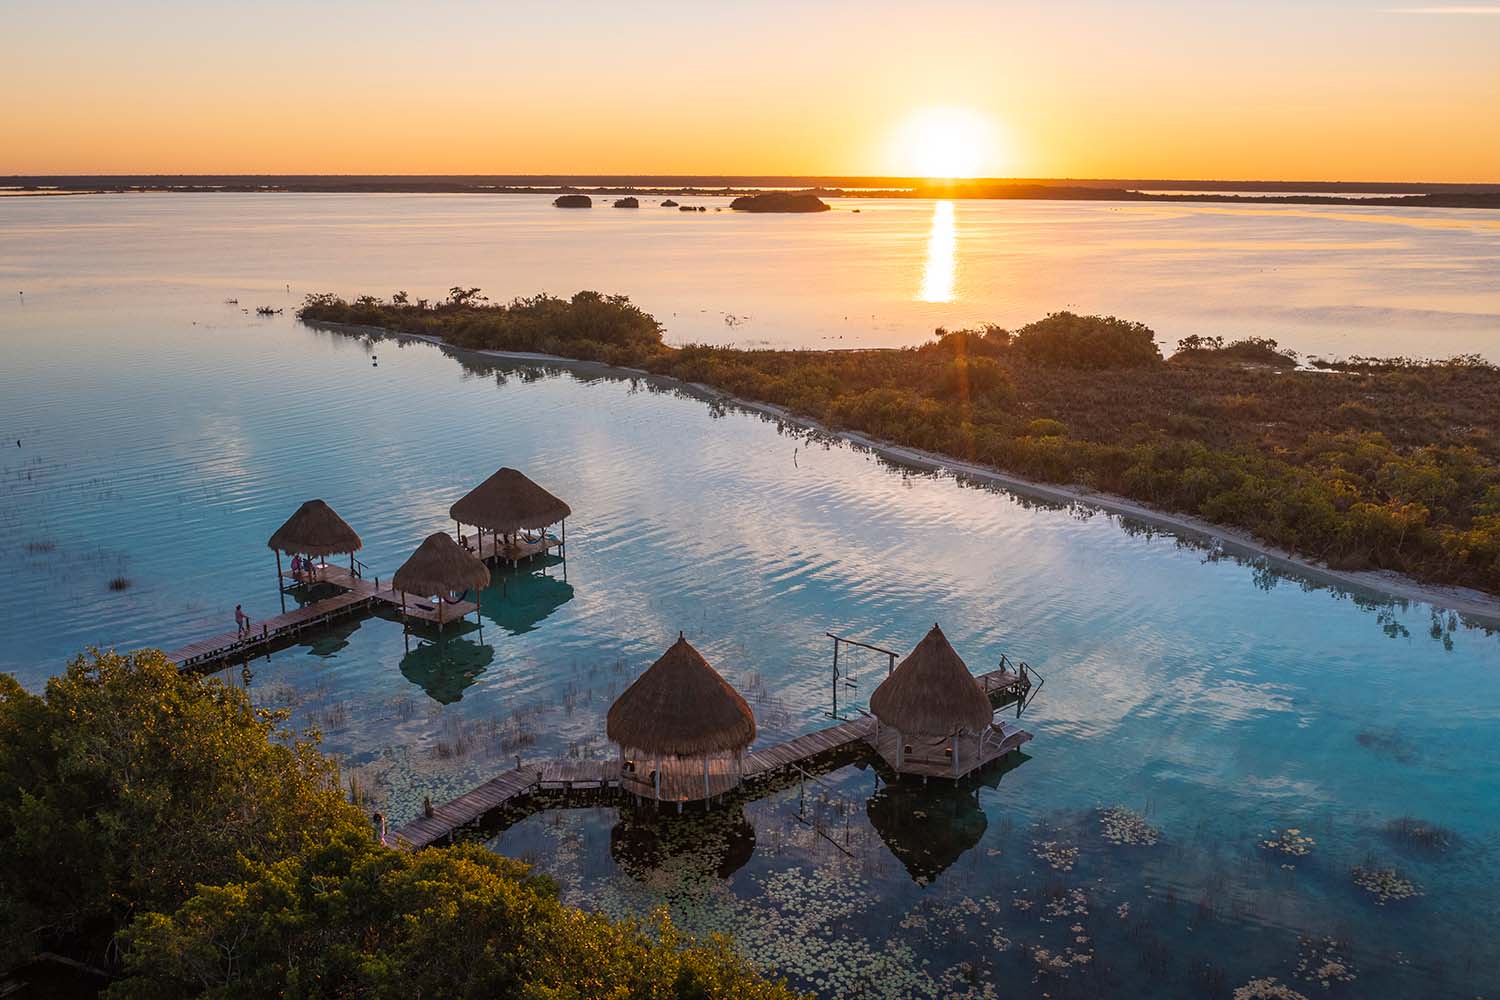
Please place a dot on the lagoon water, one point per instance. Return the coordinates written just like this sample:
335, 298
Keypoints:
164, 434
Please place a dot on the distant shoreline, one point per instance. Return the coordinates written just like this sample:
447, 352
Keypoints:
1399, 195
1465, 601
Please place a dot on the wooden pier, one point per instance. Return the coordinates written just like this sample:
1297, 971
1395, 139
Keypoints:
269, 633
515, 787
359, 595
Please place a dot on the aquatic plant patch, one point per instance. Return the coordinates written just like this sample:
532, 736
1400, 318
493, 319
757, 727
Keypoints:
1127, 827
1291, 841
1385, 884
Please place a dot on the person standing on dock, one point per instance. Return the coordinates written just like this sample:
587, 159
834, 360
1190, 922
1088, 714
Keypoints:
241, 621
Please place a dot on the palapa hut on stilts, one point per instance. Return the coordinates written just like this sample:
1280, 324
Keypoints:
682, 730
506, 505
315, 531
934, 719
435, 572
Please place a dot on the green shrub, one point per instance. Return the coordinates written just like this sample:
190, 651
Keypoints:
1071, 341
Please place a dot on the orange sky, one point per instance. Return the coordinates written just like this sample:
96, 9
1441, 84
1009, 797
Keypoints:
1322, 89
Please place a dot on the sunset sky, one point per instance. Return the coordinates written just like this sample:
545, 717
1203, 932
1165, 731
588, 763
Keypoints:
1318, 89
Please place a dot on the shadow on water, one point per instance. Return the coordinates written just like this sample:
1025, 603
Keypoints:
333, 637
645, 843
929, 827
519, 600
446, 667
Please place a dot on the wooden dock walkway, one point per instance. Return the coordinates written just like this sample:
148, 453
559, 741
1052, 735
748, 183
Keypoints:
268, 632
468, 807
514, 786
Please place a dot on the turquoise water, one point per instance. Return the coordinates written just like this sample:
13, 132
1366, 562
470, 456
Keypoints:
164, 435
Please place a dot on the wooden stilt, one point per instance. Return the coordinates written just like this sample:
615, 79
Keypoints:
280, 585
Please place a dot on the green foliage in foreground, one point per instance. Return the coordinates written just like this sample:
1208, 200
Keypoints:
127, 785
1383, 466
156, 825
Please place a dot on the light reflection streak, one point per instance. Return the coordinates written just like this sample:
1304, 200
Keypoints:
942, 247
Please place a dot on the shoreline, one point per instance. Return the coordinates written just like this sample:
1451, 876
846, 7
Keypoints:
1467, 602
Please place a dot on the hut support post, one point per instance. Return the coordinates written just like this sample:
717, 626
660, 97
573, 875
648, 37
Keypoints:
705, 778
900, 757
656, 777
280, 584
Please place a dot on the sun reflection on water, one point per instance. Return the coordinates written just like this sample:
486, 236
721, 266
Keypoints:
942, 246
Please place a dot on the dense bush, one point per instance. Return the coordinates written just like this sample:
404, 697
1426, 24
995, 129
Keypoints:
127, 785
1249, 350
591, 326
352, 918
1387, 465
1074, 341
160, 814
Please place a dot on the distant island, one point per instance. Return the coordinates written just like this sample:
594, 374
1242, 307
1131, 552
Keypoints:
628, 202
573, 201
1368, 464
1379, 195
780, 201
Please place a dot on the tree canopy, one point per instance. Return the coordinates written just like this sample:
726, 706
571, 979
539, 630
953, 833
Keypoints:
158, 827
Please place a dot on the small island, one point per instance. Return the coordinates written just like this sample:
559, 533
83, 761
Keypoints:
573, 201
669, 203
780, 201
627, 202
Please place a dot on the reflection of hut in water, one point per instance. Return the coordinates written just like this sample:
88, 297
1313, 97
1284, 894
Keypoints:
528, 598
516, 512
716, 843
315, 531
682, 730
435, 573
446, 669
934, 719
929, 827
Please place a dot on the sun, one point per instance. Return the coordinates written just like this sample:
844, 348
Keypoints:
945, 143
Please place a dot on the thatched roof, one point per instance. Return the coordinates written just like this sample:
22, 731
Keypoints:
508, 501
440, 566
315, 530
681, 707
932, 691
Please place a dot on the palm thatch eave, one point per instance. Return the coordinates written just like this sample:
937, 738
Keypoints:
440, 566
681, 707
508, 502
932, 692
315, 530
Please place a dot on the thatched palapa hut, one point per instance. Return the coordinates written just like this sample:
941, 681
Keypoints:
682, 730
439, 569
933, 718
506, 505
314, 531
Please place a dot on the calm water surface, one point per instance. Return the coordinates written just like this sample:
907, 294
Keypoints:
1331, 281
164, 435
